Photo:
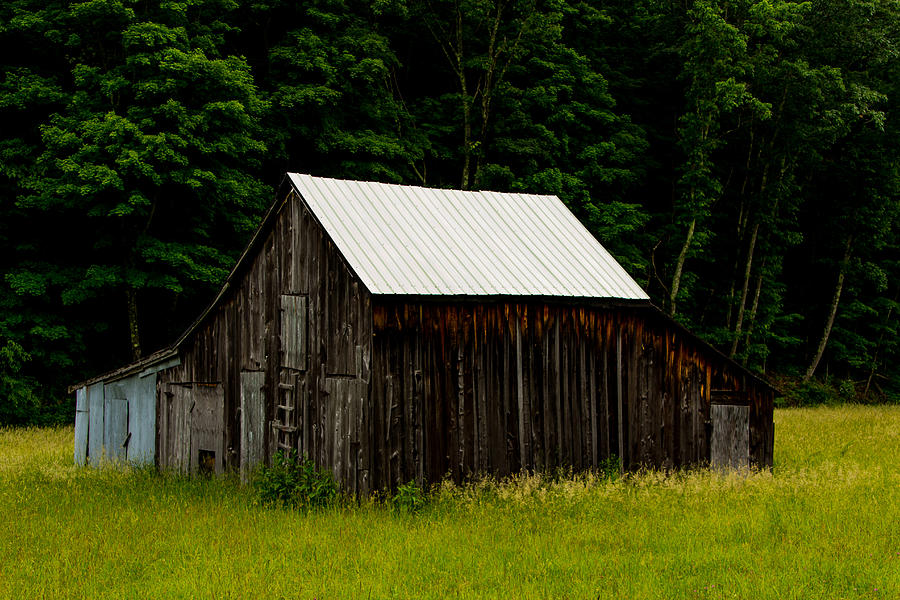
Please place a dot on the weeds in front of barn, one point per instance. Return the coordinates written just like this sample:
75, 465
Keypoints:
822, 524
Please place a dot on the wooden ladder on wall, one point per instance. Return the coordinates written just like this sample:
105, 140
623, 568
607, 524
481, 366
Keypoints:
285, 424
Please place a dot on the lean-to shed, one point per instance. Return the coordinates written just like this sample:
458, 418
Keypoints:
394, 333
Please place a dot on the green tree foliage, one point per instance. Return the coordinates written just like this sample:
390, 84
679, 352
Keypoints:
329, 74
133, 173
740, 157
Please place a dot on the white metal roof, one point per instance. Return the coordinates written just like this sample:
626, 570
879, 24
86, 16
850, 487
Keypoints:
422, 241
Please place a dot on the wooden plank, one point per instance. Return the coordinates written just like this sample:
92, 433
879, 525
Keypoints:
340, 359
586, 434
363, 433
594, 408
333, 441
409, 428
183, 429
393, 404
140, 392
634, 405
95, 423
162, 425
566, 415
619, 394
520, 397
546, 395
556, 370
303, 409
253, 420
379, 421
646, 417
351, 438
500, 431
527, 446
115, 422
482, 455
461, 412
82, 416
704, 414
538, 387
418, 416
730, 441
433, 455
180, 414
605, 396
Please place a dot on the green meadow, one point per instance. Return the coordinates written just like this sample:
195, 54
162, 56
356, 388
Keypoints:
824, 523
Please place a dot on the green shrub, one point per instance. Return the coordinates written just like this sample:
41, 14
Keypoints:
296, 482
610, 468
409, 499
812, 393
19, 404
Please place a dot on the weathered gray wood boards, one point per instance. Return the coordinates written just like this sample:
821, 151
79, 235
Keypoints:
116, 419
82, 416
296, 353
290, 345
730, 443
191, 428
387, 389
253, 420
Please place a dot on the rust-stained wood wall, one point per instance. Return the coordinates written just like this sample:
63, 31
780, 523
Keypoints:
463, 388
385, 390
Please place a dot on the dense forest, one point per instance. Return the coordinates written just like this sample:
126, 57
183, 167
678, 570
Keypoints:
741, 158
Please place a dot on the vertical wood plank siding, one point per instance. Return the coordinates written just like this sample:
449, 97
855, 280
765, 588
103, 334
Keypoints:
398, 389
314, 391
535, 385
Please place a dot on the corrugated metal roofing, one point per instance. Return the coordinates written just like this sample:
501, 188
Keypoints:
422, 241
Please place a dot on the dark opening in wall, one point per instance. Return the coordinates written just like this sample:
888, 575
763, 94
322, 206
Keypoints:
207, 462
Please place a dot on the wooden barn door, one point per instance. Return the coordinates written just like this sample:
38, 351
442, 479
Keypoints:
730, 437
253, 421
192, 431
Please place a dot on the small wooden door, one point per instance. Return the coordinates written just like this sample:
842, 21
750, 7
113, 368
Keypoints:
730, 443
208, 429
115, 428
192, 436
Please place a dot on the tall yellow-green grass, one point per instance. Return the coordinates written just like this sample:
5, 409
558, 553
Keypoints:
825, 523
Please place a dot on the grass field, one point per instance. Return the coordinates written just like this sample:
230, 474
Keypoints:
825, 523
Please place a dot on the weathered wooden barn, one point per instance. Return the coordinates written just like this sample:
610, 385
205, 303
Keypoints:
397, 333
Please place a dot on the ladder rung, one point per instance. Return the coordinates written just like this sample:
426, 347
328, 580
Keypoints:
283, 407
286, 386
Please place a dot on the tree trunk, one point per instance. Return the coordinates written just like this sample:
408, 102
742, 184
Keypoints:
751, 320
741, 226
133, 327
676, 278
874, 368
466, 103
746, 287
831, 313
